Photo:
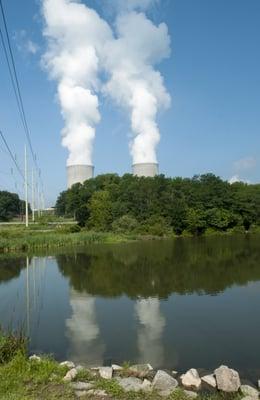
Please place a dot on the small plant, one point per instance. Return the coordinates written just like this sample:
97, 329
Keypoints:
10, 345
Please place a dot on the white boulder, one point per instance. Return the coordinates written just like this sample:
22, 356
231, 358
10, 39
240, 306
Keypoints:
68, 364
227, 379
70, 375
209, 380
130, 384
106, 372
191, 379
249, 391
164, 383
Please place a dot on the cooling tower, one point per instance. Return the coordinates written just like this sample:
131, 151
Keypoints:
79, 173
146, 169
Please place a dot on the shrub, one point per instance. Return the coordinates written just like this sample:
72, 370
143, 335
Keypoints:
156, 226
82, 215
126, 223
64, 229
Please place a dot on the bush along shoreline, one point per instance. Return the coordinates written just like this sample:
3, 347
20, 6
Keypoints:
19, 239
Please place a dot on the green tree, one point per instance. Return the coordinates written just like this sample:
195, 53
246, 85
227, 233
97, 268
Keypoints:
100, 209
221, 219
125, 224
10, 205
196, 221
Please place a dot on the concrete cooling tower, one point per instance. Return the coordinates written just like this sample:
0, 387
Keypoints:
146, 169
79, 174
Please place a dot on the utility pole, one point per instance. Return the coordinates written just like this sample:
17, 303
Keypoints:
26, 188
38, 200
33, 205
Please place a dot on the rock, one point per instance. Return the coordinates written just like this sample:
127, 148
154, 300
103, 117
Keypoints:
130, 384
164, 383
249, 391
116, 367
68, 364
81, 385
174, 373
190, 394
146, 386
249, 398
35, 358
141, 369
191, 379
97, 392
209, 380
106, 372
70, 375
81, 393
80, 368
227, 379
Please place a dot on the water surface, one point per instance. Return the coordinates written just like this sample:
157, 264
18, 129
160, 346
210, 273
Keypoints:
175, 303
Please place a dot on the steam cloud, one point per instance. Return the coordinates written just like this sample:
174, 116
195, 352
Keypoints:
75, 34
80, 45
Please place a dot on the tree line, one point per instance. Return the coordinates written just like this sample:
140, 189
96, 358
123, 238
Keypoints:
10, 206
161, 205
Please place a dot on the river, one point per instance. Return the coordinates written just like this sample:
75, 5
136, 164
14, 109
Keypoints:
176, 304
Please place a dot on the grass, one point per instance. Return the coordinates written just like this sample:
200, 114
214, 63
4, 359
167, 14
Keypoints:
22, 240
17, 238
24, 379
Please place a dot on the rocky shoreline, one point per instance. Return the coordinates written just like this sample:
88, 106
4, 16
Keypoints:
142, 378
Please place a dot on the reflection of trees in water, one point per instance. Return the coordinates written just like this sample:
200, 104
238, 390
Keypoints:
83, 331
11, 267
159, 268
150, 331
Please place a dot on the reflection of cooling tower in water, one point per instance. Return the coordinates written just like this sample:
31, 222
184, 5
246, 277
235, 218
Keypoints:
145, 169
79, 174
85, 345
150, 331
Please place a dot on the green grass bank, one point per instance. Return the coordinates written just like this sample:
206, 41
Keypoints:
24, 379
18, 239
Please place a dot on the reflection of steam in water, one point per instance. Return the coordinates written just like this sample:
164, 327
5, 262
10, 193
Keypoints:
83, 331
149, 336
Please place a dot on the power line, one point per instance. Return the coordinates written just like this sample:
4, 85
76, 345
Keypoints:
11, 155
16, 87
11, 77
16, 78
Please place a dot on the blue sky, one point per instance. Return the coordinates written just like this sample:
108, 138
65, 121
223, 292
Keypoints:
213, 77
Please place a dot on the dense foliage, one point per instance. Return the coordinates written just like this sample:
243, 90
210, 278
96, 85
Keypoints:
161, 205
10, 206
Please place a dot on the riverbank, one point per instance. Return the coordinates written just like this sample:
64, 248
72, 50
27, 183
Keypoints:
43, 378
17, 239
37, 237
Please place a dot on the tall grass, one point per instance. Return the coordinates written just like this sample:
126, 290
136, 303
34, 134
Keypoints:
11, 344
21, 240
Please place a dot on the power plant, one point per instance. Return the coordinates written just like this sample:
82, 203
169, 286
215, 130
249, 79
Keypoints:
79, 174
145, 169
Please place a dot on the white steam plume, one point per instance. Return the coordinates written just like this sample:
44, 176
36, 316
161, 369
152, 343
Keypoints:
132, 4
75, 36
134, 82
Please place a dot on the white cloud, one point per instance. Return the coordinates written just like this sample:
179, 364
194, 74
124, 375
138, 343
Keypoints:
135, 4
244, 164
25, 44
80, 45
134, 82
76, 36
31, 47
237, 178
